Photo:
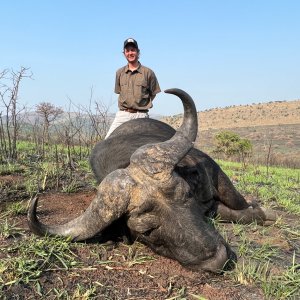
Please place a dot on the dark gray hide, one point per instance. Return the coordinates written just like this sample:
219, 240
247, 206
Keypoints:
151, 177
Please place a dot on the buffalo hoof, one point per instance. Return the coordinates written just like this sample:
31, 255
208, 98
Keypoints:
270, 216
266, 216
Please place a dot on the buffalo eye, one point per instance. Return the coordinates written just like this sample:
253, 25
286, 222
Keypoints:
148, 232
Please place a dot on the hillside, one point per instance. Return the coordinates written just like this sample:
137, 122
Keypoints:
263, 114
273, 123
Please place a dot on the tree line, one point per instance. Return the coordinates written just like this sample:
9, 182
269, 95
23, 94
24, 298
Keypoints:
46, 124
79, 126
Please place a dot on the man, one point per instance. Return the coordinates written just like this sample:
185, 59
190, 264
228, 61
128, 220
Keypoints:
136, 85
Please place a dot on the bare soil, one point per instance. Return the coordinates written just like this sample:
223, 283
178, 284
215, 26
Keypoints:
130, 271
160, 278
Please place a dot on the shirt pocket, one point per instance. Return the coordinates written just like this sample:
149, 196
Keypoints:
142, 90
123, 81
124, 90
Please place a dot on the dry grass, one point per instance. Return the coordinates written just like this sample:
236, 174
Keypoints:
263, 114
275, 123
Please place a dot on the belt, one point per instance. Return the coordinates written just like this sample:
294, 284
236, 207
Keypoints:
134, 111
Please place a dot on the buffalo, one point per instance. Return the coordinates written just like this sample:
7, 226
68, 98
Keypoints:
164, 191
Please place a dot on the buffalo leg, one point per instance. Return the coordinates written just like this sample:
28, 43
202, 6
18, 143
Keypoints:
245, 216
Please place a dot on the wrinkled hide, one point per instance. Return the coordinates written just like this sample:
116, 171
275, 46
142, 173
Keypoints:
151, 177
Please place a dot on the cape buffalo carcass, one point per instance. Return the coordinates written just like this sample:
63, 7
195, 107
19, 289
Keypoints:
165, 190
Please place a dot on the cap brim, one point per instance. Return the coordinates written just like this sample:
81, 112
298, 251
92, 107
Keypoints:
131, 44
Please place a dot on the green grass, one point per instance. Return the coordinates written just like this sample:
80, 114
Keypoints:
136, 256
8, 229
260, 262
285, 285
10, 168
27, 259
275, 285
17, 208
280, 187
49, 172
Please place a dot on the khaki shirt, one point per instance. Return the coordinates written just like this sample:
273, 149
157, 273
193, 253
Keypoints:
137, 88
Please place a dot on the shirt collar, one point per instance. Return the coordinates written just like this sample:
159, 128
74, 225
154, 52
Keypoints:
136, 70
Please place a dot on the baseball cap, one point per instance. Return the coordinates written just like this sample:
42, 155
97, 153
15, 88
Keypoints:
131, 41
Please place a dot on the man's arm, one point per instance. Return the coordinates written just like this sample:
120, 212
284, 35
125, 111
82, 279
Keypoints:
117, 83
154, 86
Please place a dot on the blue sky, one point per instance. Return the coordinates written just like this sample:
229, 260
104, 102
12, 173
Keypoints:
221, 52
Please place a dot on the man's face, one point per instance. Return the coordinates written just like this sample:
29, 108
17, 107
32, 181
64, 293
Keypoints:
131, 54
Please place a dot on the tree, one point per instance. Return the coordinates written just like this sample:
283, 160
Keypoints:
244, 150
231, 144
49, 114
9, 123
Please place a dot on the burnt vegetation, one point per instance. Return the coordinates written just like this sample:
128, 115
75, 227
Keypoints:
45, 150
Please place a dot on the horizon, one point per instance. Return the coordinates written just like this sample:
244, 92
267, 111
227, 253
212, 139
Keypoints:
222, 54
33, 112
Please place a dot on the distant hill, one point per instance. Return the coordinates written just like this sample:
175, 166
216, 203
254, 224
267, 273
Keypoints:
271, 113
273, 123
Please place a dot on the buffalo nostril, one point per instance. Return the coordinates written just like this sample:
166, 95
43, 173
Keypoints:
223, 259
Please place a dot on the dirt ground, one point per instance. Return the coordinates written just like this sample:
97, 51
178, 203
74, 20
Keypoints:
158, 278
